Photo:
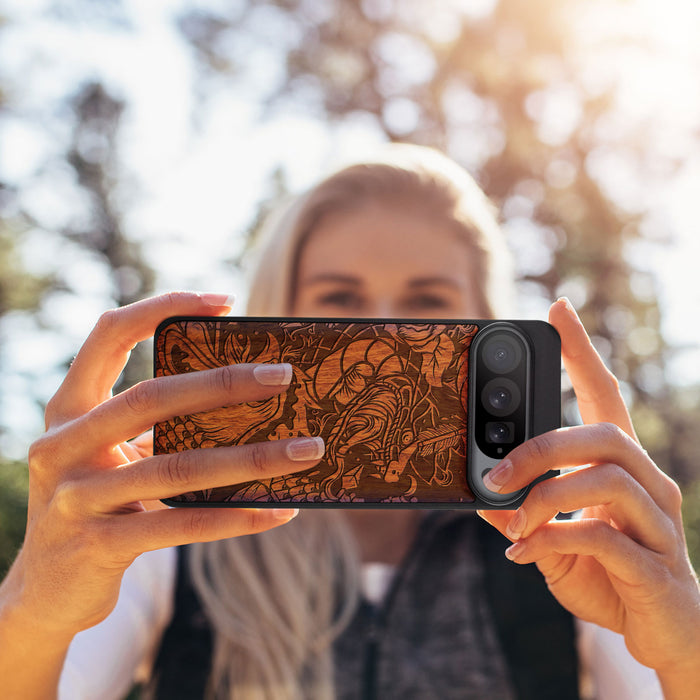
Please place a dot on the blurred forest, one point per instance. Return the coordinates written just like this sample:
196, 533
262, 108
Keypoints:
505, 87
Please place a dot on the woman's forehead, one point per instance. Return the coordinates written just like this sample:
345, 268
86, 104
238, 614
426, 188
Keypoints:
384, 233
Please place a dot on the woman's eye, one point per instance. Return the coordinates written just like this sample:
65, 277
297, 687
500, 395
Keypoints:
341, 300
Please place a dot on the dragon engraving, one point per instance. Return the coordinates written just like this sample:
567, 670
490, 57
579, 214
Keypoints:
389, 399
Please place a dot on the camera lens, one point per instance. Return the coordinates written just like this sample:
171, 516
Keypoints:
502, 353
500, 396
499, 432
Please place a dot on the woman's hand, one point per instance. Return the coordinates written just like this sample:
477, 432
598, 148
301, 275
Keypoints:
88, 513
623, 564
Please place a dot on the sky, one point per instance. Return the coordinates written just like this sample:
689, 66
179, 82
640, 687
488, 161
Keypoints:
191, 190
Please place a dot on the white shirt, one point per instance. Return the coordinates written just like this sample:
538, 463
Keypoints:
104, 661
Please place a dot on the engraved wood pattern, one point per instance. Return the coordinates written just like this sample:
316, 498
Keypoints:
390, 401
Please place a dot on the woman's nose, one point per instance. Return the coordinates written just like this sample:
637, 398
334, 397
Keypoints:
382, 308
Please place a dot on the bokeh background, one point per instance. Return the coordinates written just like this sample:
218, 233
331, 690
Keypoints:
141, 141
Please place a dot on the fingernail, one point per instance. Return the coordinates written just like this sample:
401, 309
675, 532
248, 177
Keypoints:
498, 477
515, 550
304, 449
218, 299
569, 306
285, 514
273, 374
516, 525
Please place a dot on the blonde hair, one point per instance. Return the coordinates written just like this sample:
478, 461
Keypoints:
404, 175
277, 600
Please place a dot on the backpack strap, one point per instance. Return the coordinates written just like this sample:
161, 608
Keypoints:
536, 633
183, 664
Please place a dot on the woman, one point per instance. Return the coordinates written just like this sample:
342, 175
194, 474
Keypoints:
410, 236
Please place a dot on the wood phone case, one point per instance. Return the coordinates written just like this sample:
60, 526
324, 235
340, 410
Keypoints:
389, 398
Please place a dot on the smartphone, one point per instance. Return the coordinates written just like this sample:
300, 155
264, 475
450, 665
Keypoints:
413, 413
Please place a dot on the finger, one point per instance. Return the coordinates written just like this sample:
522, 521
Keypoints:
102, 357
606, 486
143, 444
576, 446
497, 518
165, 476
596, 388
614, 550
140, 407
142, 532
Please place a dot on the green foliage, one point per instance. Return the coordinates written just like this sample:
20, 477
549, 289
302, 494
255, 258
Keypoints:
691, 521
18, 289
14, 484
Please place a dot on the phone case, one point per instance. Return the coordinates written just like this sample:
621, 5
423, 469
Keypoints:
390, 398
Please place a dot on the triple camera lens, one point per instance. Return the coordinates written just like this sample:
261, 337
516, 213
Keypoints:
501, 381
505, 358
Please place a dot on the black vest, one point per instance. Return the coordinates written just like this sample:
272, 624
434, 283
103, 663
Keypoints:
415, 645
